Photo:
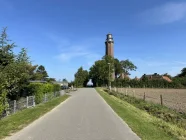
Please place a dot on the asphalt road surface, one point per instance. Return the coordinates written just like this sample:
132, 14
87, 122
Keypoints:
84, 116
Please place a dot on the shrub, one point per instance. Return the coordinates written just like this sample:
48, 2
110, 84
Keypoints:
40, 89
36, 89
48, 88
3, 102
56, 87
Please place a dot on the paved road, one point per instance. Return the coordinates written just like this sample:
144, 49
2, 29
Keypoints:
84, 116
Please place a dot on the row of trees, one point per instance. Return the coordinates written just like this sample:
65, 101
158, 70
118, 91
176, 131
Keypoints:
120, 70
108, 69
16, 70
99, 72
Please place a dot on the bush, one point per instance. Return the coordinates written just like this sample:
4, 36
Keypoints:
3, 103
56, 87
48, 88
40, 89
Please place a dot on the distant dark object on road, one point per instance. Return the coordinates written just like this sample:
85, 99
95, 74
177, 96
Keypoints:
64, 87
89, 85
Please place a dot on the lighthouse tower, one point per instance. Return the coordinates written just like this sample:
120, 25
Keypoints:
109, 43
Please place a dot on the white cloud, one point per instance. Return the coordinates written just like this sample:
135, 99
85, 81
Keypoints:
80, 51
67, 56
167, 13
71, 51
180, 62
156, 64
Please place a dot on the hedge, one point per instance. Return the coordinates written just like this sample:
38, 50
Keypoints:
3, 102
147, 83
40, 89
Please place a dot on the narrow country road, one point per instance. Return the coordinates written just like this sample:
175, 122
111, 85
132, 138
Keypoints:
84, 116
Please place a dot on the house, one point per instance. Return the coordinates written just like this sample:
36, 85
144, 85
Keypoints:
37, 81
136, 78
61, 83
124, 76
156, 76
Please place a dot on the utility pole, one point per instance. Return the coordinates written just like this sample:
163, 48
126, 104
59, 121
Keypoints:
109, 77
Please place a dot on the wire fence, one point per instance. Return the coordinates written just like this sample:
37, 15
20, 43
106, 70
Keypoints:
172, 98
25, 102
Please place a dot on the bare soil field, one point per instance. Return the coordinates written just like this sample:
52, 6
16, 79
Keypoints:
172, 98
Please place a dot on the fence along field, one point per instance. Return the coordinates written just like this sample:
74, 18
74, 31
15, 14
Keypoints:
172, 98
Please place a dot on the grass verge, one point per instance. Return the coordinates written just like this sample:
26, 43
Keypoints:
146, 126
22, 118
157, 110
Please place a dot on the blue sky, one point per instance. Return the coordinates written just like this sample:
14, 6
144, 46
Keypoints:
63, 35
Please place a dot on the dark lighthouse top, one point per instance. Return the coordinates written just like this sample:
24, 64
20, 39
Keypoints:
109, 38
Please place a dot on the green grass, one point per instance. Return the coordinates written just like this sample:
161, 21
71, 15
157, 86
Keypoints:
146, 126
22, 118
159, 111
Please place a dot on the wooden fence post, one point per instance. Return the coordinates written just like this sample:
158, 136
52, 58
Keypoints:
144, 96
26, 101
14, 106
161, 99
45, 97
34, 101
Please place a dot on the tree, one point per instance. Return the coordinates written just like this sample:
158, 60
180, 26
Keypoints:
64, 80
50, 80
40, 74
81, 77
71, 83
18, 74
117, 67
183, 73
127, 66
6, 49
22, 57
99, 72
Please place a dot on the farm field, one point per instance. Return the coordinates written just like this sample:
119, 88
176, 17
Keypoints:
172, 98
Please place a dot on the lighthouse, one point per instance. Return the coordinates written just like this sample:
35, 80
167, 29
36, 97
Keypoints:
109, 43
109, 51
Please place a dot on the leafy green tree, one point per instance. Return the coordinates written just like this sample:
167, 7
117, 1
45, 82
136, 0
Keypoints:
127, 66
50, 80
183, 73
15, 70
18, 75
117, 68
6, 49
64, 80
81, 77
40, 74
22, 57
99, 72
